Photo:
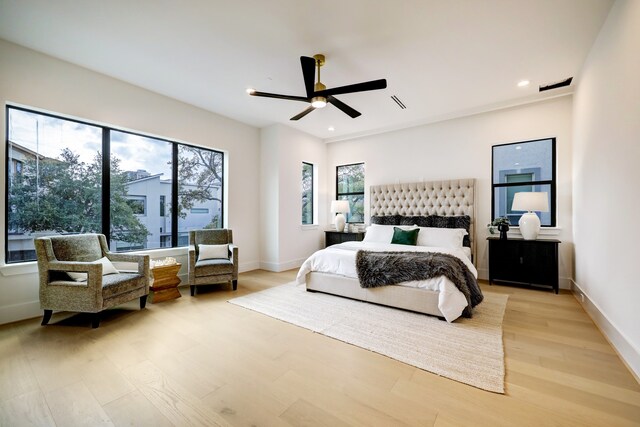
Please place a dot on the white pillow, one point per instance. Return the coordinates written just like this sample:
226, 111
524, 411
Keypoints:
213, 252
450, 238
107, 268
377, 233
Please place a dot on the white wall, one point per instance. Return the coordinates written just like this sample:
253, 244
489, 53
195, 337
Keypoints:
606, 176
33, 79
286, 242
461, 148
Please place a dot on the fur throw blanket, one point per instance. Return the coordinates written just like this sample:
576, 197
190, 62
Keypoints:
388, 268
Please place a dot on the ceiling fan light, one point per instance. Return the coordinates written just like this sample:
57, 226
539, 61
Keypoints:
319, 102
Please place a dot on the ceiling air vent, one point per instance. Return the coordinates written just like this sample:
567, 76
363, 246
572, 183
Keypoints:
556, 85
397, 101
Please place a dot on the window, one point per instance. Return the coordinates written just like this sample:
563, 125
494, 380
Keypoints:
199, 210
140, 170
163, 202
200, 174
137, 204
307, 193
59, 182
350, 186
524, 167
60, 188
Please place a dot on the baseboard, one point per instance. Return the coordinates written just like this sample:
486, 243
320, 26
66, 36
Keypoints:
22, 311
248, 266
628, 353
281, 266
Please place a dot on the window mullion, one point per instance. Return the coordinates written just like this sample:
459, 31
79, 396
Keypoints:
106, 186
174, 196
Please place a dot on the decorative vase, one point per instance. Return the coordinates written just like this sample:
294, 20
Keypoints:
503, 228
529, 226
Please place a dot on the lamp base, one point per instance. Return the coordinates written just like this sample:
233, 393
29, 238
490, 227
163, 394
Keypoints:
340, 222
529, 226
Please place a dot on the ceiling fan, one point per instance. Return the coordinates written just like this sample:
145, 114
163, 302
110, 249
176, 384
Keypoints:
317, 94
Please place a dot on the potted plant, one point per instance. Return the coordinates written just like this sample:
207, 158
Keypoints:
502, 223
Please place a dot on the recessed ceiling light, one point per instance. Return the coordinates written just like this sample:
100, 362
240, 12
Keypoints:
517, 164
523, 83
250, 90
331, 129
518, 148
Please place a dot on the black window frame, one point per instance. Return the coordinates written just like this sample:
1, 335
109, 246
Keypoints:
353, 193
551, 182
312, 194
106, 175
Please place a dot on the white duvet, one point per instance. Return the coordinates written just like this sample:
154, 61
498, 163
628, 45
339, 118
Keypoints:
341, 259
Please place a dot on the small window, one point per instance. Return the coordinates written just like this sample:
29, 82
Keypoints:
163, 202
199, 210
350, 186
138, 204
307, 193
524, 167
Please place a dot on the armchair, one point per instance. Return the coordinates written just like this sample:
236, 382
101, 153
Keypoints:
211, 271
58, 255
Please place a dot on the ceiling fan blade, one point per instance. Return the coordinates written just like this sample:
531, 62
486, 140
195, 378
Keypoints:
304, 113
275, 95
358, 87
308, 72
344, 107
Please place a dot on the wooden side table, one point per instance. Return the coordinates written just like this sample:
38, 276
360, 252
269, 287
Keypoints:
165, 283
531, 262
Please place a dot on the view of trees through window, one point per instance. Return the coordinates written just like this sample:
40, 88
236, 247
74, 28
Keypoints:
141, 175
307, 193
200, 174
350, 186
55, 183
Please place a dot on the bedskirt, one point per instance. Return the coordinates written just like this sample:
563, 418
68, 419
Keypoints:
408, 298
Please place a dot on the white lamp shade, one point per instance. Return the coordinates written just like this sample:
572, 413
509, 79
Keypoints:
340, 206
531, 201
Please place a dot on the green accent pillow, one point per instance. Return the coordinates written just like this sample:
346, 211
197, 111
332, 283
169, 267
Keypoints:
405, 237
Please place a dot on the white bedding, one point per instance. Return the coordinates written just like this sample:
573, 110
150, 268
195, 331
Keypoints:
340, 259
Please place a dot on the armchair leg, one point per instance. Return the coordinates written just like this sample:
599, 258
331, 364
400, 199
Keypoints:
96, 320
193, 290
235, 285
46, 317
143, 301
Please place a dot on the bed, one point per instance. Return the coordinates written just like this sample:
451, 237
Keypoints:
442, 202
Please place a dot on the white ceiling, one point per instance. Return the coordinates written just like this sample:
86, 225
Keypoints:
441, 58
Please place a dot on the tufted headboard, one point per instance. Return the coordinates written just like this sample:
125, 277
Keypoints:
448, 198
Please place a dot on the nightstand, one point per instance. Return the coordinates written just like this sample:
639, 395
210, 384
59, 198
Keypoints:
332, 237
530, 262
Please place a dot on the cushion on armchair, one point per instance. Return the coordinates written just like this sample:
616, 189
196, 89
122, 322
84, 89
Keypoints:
213, 252
210, 267
107, 268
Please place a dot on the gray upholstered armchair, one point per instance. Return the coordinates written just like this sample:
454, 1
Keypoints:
216, 270
58, 255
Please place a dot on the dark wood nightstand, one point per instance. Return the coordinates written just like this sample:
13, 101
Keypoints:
530, 262
332, 237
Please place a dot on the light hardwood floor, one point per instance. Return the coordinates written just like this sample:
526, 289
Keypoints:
201, 361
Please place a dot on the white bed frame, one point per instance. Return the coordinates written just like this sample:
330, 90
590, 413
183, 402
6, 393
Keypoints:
446, 198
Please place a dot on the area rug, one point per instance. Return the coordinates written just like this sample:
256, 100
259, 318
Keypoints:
468, 350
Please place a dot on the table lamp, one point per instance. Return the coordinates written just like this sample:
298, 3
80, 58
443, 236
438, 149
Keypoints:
340, 207
529, 222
